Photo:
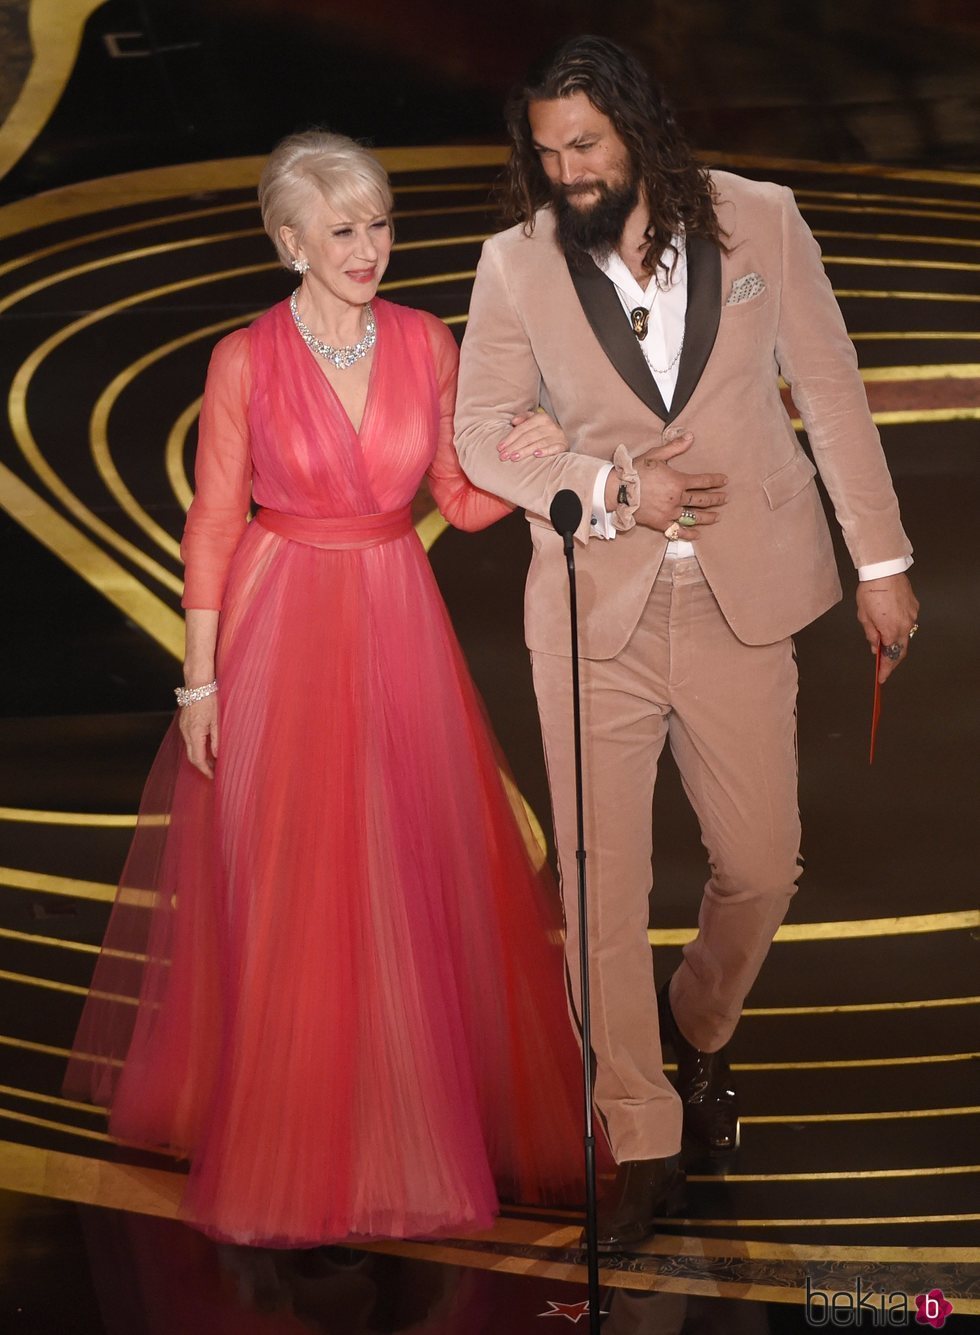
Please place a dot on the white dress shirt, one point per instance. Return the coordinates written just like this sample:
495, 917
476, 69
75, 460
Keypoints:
666, 300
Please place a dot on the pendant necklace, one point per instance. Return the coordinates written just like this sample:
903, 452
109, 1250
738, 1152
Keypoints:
640, 320
342, 358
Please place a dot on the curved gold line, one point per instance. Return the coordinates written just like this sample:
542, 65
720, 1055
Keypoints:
905, 416
895, 236
748, 1222
886, 213
52, 1099
93, 565
64, 1127
865, 169
876, 262
842, 930
56, 28
125, 257
970, 208
50, 985
31, 816
173, 454
907, 296
866, 1116
17, 411
948, 336
27, 1045
32, 1170
930, 1059
437, 242
946, 371
140, 225
182, 179
99, 429
862, 1006
430, 280
17, 879
29, 938
431, 527
867, 1174
54, 985
192, 215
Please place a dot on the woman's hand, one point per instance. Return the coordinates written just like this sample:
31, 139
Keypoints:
534, 435
199, 728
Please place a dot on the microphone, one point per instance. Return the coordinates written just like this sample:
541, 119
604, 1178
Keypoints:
566, 515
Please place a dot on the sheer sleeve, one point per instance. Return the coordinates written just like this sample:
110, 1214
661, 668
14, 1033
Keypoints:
222, 476
464, 505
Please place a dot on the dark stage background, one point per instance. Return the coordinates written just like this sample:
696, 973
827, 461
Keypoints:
858, 1052
178, 80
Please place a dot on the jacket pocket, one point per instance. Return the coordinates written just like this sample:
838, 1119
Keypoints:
788, 481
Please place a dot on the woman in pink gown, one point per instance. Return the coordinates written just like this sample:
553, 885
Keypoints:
351, 1013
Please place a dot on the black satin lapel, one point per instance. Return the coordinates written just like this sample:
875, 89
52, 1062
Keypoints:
701, 321
605, 314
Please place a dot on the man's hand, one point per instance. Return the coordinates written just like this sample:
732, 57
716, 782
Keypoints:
887, 609
665, 492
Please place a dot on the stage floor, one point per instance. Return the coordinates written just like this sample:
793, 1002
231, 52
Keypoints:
857, 1058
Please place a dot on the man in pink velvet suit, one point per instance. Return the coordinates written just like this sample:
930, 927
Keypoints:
650, 307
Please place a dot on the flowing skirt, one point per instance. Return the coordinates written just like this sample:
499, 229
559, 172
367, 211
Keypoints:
351, 1009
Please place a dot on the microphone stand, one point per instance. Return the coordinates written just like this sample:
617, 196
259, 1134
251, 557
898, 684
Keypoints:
565, 520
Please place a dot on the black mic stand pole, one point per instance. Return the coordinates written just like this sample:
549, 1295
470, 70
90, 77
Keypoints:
565, 517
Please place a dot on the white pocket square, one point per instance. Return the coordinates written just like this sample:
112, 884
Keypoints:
745, 288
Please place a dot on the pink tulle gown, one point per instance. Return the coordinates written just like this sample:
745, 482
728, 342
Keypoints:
351, 1013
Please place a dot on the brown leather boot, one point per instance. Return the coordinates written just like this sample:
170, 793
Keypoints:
704, 1082
643, 1190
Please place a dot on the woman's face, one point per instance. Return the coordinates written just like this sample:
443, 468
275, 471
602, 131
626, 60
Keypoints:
346, 255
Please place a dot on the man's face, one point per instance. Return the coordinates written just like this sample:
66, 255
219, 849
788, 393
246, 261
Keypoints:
593, 183
578, 147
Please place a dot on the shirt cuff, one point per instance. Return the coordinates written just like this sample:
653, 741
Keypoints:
882, 569
601, 523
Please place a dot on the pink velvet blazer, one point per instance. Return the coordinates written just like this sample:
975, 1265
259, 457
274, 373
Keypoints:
536, 335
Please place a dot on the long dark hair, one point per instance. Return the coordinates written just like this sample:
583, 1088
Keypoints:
678, 191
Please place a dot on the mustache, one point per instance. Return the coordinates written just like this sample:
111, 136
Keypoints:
581, 188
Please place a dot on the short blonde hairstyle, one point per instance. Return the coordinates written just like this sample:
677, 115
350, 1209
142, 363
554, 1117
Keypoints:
350, 179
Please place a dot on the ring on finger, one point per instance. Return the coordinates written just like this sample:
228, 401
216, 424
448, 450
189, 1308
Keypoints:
913, 628
672, 532
892, 651
687, 518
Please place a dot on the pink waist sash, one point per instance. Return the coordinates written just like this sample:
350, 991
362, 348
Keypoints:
349, 532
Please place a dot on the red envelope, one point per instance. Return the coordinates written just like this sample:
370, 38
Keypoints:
875, 706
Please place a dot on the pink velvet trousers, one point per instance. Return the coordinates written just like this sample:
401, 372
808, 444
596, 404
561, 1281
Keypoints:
728, 711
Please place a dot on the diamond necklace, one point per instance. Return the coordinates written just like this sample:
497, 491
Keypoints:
342, 358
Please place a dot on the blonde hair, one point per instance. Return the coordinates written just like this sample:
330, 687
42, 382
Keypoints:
350, 179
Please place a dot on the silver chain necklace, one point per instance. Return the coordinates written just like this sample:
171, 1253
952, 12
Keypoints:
342, 358
639, 323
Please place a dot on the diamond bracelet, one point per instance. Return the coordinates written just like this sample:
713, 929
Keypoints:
189, 695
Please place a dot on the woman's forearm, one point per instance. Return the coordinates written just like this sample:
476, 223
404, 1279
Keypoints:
200, 639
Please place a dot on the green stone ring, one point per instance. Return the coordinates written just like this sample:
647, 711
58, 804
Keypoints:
687, 518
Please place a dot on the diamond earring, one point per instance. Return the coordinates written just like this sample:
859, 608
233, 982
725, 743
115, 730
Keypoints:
301, 266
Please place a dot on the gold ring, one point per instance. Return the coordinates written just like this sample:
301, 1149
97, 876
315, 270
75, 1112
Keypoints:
672, 532
913, 628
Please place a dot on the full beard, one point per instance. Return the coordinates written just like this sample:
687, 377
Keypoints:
595, 230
